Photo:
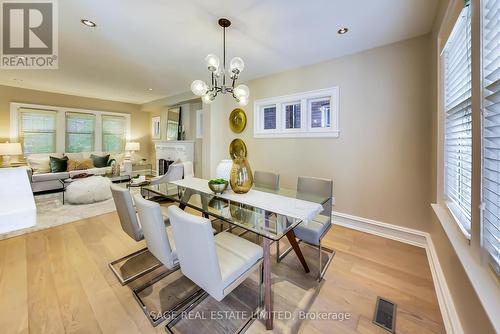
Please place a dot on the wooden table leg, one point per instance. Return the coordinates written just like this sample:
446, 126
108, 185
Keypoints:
268, 303
295, 245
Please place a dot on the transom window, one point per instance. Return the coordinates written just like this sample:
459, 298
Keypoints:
269, 117
292, 115
309, 114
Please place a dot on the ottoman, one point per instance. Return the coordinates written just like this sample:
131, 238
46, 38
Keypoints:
88, 190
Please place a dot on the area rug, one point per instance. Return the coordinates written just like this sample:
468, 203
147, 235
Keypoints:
51, 212
293, 293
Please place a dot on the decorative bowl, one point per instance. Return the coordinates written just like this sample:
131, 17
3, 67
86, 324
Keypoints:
218, 186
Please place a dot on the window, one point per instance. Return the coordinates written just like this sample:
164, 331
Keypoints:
37, 130
269, 117
309, 114
80, 132
458, 121
113, 133
320, 113
292, 115
491, 132
51, 129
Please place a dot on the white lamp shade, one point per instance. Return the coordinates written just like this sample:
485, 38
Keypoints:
241, 91
237, 65
207, 98
212, 62
132, 146
10, 149
199, 87
242, 101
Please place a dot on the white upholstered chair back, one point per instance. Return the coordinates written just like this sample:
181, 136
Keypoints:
188, 169
176, 171
126, 212
196, 250
154, 231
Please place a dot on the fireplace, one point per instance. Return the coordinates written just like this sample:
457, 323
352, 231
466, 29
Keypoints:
168, 152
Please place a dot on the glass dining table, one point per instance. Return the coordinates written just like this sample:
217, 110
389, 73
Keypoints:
271, 226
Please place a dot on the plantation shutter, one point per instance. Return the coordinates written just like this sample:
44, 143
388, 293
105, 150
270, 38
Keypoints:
458, 114
37, 130
113, 133
491, 131
80, 129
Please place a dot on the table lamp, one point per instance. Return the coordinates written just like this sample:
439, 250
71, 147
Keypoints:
7, 150
131, 147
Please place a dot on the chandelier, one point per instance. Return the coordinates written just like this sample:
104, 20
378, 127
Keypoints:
218, 76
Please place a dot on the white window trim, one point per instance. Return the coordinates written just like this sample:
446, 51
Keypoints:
305, 131
61, 123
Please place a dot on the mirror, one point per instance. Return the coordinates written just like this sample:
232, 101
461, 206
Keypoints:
173, 123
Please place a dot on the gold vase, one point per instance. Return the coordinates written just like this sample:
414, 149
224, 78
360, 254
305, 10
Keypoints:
241, 178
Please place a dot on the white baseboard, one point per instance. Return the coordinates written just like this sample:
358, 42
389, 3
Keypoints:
417, 238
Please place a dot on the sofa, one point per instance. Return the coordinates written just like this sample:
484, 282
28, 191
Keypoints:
42, 179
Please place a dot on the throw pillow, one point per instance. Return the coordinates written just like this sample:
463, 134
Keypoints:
58, 165
100, 161
39, 165
79, 165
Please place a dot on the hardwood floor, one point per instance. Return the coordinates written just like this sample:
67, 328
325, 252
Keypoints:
58, 281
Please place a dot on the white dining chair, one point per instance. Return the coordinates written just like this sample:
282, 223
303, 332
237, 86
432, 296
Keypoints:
133, 265
313, 232
268, 180
217, 264
161, 244
158, 237
175, 172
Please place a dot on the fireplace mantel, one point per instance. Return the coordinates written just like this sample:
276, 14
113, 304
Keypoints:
174, 150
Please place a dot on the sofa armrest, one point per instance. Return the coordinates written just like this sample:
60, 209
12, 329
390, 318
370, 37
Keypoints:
29, 170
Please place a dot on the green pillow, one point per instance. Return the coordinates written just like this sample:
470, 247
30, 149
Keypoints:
58, 165
100, 162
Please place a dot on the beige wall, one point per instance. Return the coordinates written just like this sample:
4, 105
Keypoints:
140, 121
380, 163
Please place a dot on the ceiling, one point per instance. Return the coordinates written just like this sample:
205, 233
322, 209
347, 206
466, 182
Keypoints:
162, 44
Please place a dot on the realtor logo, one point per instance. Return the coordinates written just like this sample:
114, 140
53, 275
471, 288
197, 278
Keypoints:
29, 34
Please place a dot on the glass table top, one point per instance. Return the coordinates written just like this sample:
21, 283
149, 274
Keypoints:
257, 220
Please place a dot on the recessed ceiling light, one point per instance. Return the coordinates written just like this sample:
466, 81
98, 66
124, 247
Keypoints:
88, 23
342, 31
150, 89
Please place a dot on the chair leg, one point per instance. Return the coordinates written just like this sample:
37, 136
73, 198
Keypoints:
194, 300
177, 308
322, 271
144, 271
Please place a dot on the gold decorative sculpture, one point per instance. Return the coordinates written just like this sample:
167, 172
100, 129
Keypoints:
237, 120
241, 177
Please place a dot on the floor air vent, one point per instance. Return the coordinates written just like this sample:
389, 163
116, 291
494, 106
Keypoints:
385, 314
